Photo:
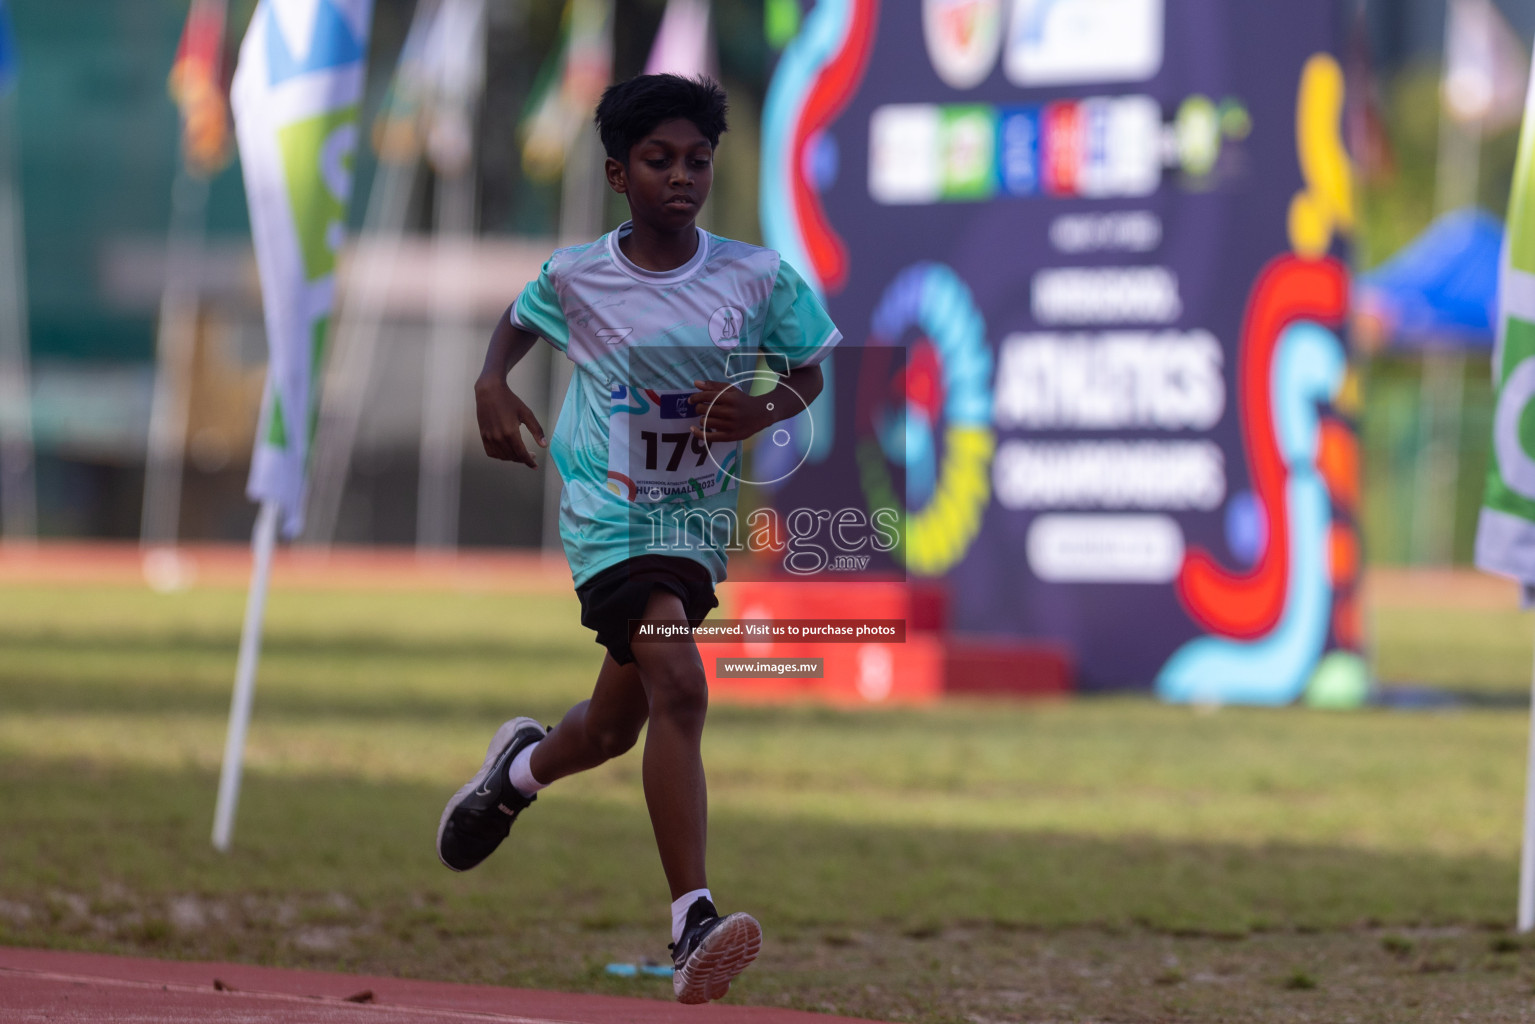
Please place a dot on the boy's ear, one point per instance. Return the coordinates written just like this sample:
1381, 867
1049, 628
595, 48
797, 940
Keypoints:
618, 176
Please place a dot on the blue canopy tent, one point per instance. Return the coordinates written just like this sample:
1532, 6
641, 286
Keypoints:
1438, 297
1441, 290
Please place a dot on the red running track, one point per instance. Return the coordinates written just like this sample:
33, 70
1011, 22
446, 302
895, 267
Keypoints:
39, 986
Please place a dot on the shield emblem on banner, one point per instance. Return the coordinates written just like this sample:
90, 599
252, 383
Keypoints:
963, 38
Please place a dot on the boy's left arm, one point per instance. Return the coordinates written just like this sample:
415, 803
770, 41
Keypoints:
733, 415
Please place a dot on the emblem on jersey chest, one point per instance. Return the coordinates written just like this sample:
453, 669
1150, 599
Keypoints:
727, 327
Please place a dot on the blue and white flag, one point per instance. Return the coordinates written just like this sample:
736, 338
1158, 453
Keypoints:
296, 97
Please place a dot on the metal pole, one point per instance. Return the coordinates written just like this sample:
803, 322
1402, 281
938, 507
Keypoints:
175, 346
1433, 513
449, 364
357, 335
583, 190
1527, 848
263, 540
361, 318
1447, 468
18, 482
1456, 178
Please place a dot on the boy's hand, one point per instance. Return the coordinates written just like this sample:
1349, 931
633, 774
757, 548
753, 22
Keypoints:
730, 414
501, 416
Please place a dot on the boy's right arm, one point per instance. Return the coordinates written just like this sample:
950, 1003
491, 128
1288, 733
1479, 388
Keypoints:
501, 414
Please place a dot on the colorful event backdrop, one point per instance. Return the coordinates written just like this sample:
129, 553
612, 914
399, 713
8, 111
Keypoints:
1109, 236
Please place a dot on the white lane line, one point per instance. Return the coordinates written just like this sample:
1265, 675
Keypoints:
332, 1002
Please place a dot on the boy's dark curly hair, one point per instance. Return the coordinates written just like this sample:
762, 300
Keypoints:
630, 110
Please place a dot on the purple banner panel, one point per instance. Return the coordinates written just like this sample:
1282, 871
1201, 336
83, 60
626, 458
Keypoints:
1108, 237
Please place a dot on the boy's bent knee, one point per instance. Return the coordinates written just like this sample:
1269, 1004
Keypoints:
679, 692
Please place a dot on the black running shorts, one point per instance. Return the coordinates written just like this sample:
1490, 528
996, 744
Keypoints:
619, 594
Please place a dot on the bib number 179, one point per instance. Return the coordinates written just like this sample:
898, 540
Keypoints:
681, 444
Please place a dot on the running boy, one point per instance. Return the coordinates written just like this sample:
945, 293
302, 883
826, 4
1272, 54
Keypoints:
657, 315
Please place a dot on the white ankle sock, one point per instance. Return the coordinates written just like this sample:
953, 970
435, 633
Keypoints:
521, 772
680, 907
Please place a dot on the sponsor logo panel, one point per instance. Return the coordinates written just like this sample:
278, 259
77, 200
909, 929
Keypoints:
1018, 150
1064, 143
968, 137
1098, 147
904, 151
1066, 42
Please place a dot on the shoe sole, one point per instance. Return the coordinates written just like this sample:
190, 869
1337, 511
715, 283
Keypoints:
498, 743
724, 953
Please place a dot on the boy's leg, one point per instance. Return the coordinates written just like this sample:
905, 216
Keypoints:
708, 951
479, 816
595, 730
677, 693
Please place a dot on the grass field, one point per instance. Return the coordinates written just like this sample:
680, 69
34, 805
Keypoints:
1103, 859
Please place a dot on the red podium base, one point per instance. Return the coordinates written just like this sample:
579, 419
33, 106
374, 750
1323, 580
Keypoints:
930, 663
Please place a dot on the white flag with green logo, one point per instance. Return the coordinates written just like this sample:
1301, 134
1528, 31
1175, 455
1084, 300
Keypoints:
295, 97
1505, 534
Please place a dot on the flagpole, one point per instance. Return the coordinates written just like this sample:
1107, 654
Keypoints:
263, 540
1505, 533
296, 193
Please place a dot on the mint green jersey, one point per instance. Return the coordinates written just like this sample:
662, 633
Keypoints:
639, 339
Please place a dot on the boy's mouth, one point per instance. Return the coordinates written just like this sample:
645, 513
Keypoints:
681, 203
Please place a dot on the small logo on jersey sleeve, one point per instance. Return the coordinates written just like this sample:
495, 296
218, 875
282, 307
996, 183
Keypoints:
727, 327
615, 335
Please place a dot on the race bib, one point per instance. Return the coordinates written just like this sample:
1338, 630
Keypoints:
653, 455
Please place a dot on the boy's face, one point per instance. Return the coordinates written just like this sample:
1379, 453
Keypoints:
668, 176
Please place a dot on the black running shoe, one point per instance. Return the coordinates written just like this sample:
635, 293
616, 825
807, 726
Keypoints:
481, 813
711, 952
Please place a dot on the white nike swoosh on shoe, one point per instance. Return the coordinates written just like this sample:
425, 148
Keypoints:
498, 743
496, 768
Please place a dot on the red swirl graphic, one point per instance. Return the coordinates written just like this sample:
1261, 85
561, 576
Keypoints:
1248, 605
829, 93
